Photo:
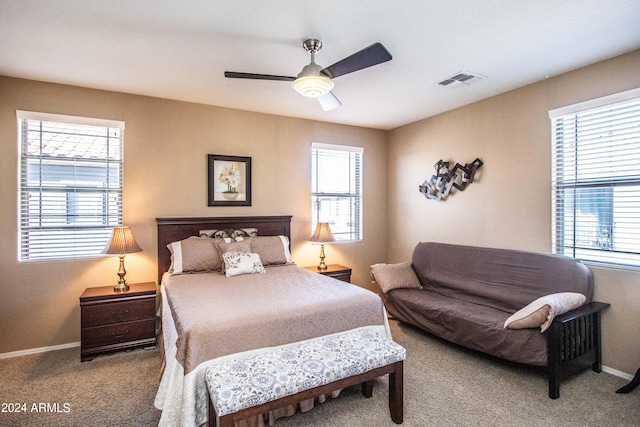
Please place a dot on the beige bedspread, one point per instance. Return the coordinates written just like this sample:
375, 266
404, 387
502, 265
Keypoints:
216, 315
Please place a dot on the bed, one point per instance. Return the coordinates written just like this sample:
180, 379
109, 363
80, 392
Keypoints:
208, 316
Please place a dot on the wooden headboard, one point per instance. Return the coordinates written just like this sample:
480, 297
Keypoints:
176, 229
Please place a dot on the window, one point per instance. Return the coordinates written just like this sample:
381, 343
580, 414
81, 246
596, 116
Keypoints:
596, 180
336, 187
70, 185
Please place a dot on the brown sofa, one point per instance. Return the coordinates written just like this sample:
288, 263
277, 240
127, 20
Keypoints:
465, 295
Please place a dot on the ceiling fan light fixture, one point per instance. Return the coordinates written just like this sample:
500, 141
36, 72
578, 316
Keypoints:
312, 86
317, 82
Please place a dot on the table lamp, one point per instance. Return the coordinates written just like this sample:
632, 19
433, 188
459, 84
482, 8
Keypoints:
321, 235
121, 243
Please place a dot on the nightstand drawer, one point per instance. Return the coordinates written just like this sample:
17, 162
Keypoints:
345, 277
336, 271
118, 312
118, 333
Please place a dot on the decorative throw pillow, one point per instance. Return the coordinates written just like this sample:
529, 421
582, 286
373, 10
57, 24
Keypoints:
392, 276
273, 250
524, 320
194, 254
230, 245
237, 263
532, 313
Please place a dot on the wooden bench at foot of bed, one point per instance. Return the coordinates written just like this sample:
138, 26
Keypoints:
275, 377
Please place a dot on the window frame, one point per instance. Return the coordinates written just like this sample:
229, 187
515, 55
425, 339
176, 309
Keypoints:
589, 189
356, 192
78, 196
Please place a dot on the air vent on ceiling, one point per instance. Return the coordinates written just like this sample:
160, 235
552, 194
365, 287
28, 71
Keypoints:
460, 79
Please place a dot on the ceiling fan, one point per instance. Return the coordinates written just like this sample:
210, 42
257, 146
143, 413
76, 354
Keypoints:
316, 82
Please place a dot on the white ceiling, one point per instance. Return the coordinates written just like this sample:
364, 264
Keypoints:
180, 49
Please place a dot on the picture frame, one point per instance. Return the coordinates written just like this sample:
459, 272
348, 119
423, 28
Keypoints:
229, 180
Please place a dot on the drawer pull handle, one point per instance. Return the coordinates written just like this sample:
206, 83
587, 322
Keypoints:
120, 335
124, 313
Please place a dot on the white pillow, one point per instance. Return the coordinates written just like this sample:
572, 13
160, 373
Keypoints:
236, 263
557, 304
392, 276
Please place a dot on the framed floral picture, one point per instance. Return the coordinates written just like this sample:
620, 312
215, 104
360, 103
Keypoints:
229, 180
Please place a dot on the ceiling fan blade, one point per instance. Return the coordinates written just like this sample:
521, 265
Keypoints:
329, 102
236, 75
367, 57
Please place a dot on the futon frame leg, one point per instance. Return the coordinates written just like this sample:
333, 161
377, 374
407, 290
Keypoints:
554, 387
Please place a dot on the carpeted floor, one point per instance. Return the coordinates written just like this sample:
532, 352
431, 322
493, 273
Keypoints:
114, 390
445, 385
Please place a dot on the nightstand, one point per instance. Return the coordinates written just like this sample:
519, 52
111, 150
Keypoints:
336, 271
117, 320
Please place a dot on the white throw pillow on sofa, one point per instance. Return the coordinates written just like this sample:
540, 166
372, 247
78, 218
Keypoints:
392, 276
553, 305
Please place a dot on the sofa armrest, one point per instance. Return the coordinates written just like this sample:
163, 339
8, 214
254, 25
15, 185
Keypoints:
574, 340
588, 308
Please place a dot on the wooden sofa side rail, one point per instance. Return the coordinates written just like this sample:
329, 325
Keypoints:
574, 341
396, 397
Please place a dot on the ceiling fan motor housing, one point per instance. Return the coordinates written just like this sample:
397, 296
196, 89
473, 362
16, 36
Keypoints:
312, 45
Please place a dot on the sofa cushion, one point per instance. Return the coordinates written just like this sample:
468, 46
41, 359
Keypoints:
531, 316
392, 276
474, 326
503, 279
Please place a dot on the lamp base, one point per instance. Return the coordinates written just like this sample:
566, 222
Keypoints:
121, 286
322, 266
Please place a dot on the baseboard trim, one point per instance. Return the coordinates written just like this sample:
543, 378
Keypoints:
617, 373
38, 350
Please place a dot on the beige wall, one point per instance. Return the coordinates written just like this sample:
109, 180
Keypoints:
166, 144
509, 205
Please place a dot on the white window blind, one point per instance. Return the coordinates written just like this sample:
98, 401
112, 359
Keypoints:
337, 189
70, 185
596, 180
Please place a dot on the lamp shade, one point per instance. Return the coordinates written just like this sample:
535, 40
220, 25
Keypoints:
322, 233
121, 242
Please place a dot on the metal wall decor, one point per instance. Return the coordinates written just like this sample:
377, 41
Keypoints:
440, 184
